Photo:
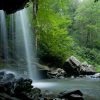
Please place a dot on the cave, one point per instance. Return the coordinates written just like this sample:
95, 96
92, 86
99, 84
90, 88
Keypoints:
11, 6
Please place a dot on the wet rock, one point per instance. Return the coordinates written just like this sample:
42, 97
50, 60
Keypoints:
74, 95
17, 89
10, 77
6, 76
73, 67
2, 74
97, 75
22, 89
48, 95
57, 73
86, 69
4, 96
37, 93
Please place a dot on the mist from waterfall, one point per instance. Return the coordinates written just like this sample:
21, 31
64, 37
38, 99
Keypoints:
3, 37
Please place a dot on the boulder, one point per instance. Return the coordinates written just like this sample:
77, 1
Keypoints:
48, 95
74, 95
57, 73
7, 76
86, 69
97, 75
16, 89
73, 67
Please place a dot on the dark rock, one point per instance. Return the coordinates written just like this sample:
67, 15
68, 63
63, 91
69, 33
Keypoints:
37, 93
4, 96
43, 74
11, 6
71, 66
22, 89
23, 85
48, 95
74, 95
86, 69
15, 89
2, 74
9, 77
74, 67
97, 75
6, 76
57, 73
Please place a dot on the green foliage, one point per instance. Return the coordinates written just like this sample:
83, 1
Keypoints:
87, 23
59, 24
90, 55
54, 43
85, 31
98, 68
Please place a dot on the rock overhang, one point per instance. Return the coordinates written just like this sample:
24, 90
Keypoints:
11, 6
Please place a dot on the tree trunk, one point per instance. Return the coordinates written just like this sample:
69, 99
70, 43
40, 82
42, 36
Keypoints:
35, 9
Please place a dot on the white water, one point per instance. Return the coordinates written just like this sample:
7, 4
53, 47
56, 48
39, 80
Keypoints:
4, 36
24, 41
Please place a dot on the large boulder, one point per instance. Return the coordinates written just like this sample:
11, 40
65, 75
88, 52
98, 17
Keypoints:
74, 67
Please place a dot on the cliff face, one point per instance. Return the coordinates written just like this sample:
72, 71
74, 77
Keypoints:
11, 6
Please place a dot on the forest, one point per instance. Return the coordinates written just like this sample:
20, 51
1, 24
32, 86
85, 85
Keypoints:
49, 49
67, 27
62, 28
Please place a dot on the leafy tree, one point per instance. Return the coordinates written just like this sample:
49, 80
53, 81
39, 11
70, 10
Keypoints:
87, 22
54, 43
85, 31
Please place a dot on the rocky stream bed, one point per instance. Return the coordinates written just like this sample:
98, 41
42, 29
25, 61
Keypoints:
75, 81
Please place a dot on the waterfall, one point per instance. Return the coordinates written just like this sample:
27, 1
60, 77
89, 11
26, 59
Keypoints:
21, 41
3, 37
12, 38
24, 42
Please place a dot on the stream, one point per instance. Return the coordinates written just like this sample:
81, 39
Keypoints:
89, 87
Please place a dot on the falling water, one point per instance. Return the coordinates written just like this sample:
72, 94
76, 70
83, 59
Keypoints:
12, 38
25, 43
21, 43
3, 36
